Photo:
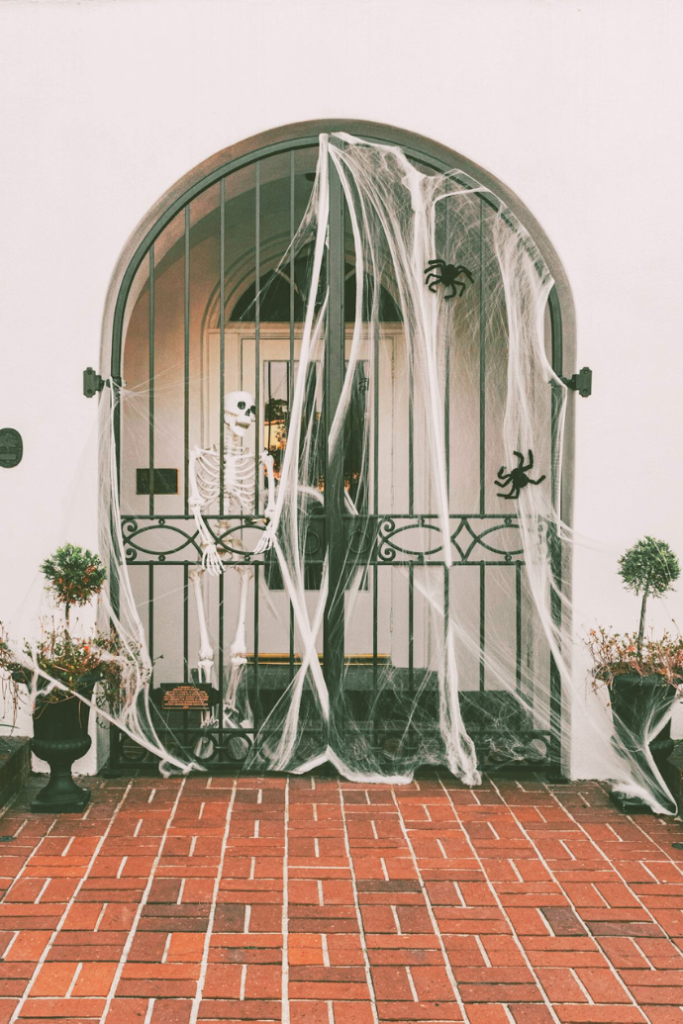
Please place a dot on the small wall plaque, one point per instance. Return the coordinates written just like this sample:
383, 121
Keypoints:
165, 481
11, 448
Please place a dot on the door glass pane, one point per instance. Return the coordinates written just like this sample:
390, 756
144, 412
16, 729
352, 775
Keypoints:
278, 391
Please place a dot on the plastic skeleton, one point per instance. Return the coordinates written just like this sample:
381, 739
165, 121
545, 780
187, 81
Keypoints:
239, 498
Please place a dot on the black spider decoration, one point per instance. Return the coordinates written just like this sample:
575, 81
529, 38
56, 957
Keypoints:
517, 478
440, 272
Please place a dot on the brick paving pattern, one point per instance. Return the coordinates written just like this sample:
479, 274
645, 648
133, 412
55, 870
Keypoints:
316, 901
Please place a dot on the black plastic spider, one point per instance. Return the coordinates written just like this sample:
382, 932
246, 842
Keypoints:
517, 477
440, 272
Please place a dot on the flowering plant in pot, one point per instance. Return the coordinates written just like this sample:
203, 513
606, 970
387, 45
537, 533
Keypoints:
61, 668
644, 673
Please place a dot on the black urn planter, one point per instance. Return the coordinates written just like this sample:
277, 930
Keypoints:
60, 737
636, 701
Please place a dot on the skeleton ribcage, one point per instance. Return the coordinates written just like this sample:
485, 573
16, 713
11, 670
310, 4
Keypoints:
239, 480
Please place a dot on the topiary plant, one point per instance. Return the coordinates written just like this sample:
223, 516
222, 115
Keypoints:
74, 576
650, 567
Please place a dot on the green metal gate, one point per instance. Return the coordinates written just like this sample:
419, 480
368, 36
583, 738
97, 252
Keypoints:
160, 533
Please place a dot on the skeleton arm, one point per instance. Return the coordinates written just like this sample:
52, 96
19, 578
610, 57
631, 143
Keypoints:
204, 481
268, 537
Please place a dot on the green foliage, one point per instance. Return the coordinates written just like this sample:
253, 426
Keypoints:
650, 567
617, 654
74, 575
75, 661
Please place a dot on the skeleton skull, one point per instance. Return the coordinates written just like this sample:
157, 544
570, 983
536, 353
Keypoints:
239, 412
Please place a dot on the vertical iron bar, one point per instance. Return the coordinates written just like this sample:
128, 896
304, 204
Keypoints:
221, 470
186, 624
186, 412
447, 388
150, 342
556, 334
411, 438
256, 645
333, 642
482, 367
257, 400
557, 397
411, 627
518, 625
291, 274
114, 585
447, 418
375, 608
482, 625
446, 615
186, 339
257, 327
268, 394
290, 368
151, 338
221, 659
114, 746
375, 497
554, 540
482, 447
221, 327
150, 612
375, 421
555, 546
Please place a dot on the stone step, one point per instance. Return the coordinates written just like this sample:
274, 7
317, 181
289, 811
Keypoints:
15, 765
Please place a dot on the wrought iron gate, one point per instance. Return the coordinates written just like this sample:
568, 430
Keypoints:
157, 524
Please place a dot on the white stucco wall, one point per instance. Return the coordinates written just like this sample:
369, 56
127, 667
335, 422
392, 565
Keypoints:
574, 105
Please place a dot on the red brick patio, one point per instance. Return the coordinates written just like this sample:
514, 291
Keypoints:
323, 902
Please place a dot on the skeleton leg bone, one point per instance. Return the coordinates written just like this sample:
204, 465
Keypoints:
238, 648
232, 715
205, 660
204, 746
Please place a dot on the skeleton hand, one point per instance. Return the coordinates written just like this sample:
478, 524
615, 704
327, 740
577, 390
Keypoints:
211, 560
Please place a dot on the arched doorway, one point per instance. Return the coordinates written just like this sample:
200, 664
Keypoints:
203, 307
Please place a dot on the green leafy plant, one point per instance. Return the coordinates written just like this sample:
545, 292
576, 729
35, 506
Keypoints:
649, 568
617, 654
77, 662
74, 576
8, 687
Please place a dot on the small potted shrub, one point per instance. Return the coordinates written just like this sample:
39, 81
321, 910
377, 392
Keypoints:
644, 674
60, 715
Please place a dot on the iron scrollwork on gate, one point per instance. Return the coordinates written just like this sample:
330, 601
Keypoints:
381, 540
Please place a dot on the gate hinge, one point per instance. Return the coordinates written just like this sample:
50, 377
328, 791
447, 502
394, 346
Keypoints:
92, 382
581, 382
